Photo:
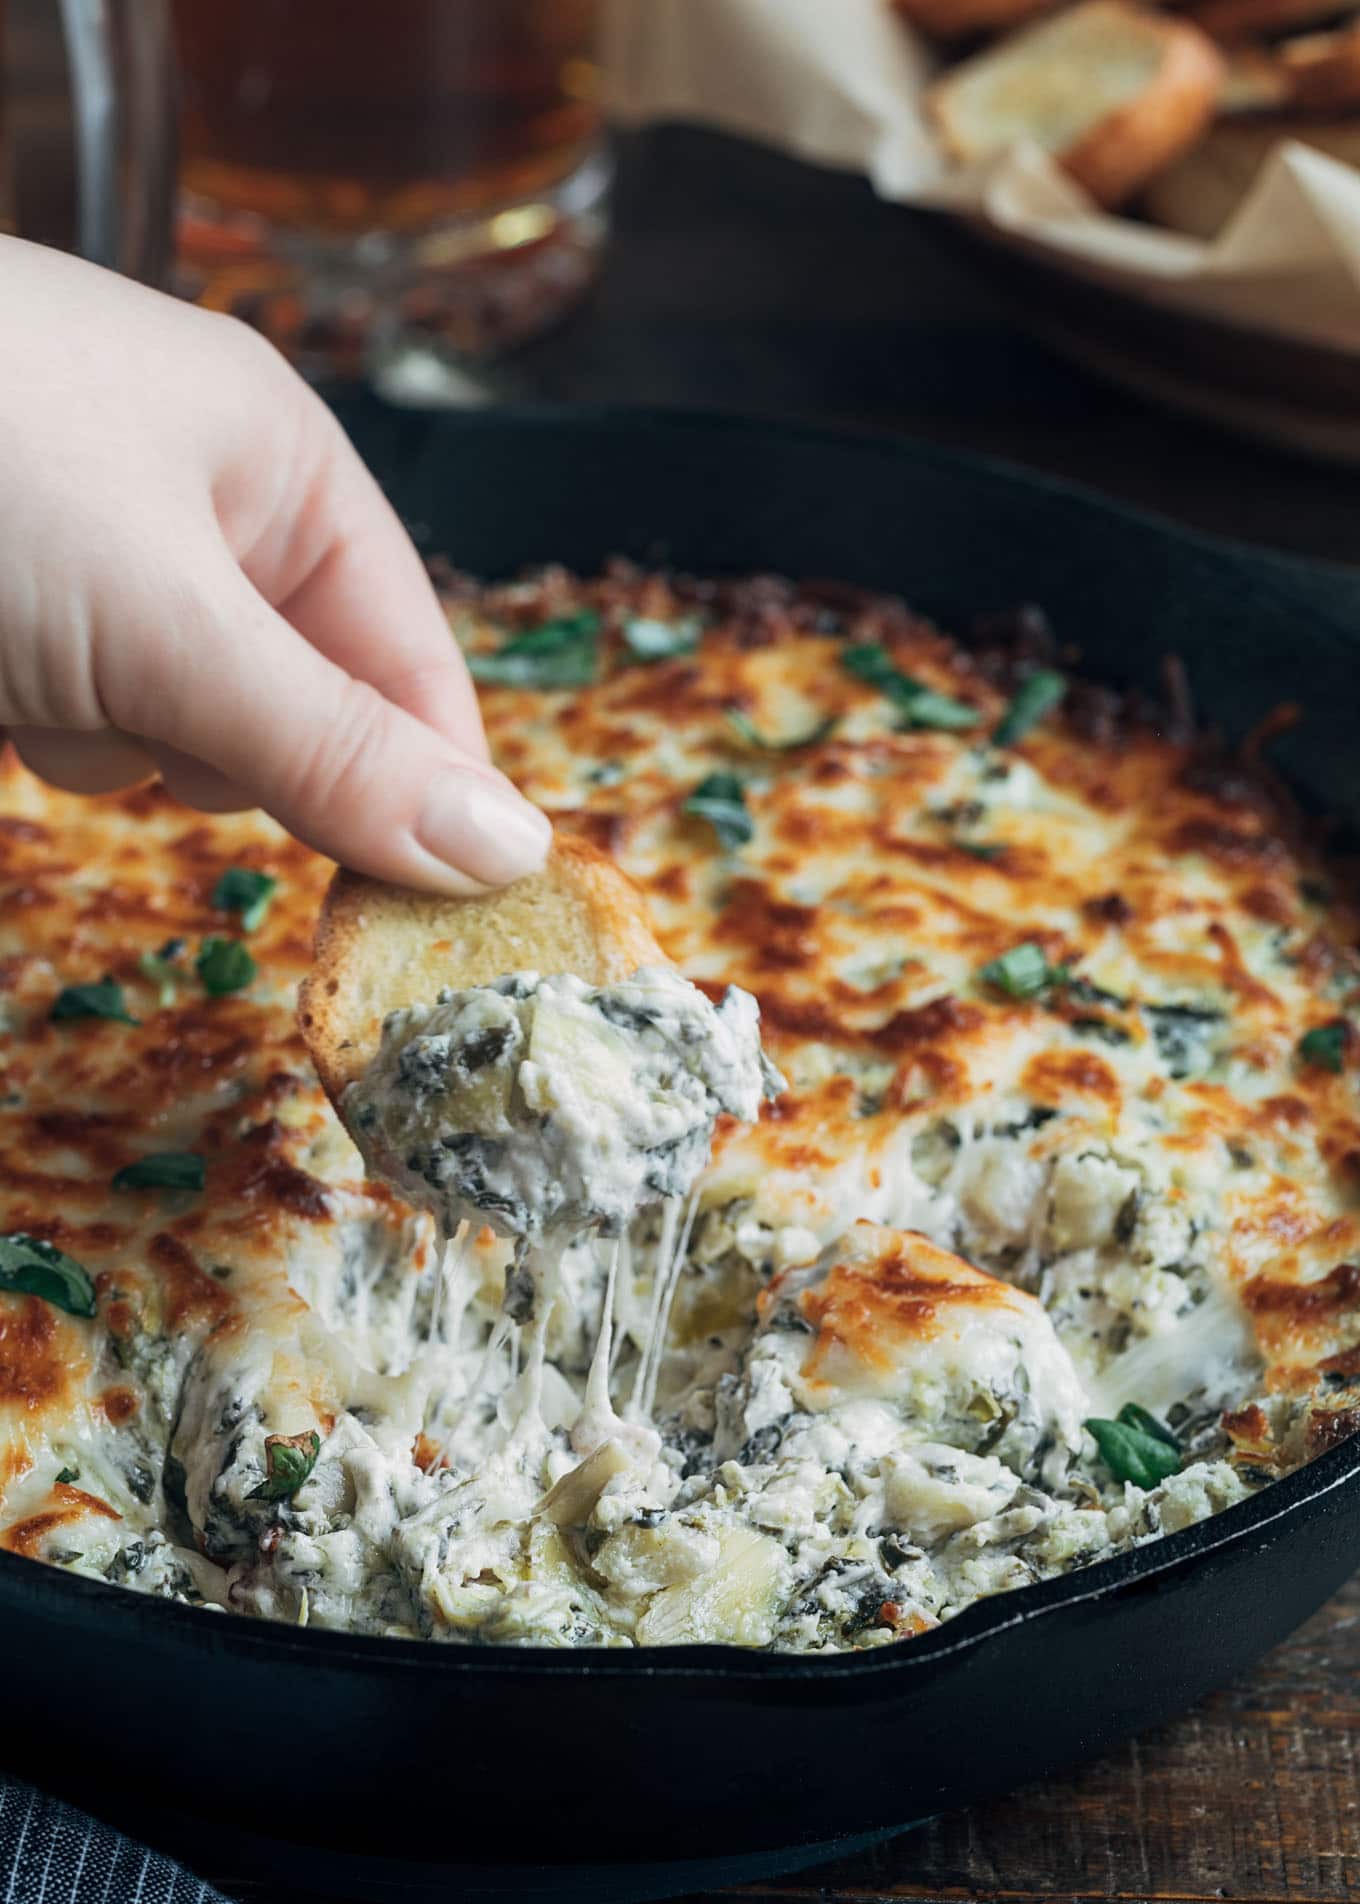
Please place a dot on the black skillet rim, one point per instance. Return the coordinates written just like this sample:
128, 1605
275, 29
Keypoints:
1309, 1486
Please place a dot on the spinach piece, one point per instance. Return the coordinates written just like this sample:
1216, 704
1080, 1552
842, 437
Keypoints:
224, 965
1180, 1033
721, 800
1136, 1446
660, 640
919, 705
1023, 972
32, 1267
68, 1477
242, 890
1325, 1045
559, 654
289, 1459
103, 999
745, 729
1038, 694
162, 1170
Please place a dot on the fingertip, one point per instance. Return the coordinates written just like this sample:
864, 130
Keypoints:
478, 826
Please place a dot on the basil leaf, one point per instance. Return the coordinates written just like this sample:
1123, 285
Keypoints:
68, 1477
1023, 972
660, 640
241, 889
162, 1170
1133, 1416
927, 708
289, 1459
1325, 1045
34, 1268
721, 800
559, 654
224, 965
1038, 694
745, 728
920, 706
103, 999
1132, 1454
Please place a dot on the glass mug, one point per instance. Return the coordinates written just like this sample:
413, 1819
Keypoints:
87, 129
361, 179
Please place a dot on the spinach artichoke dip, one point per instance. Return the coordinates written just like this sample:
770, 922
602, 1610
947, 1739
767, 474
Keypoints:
1050, 1245
547, 1108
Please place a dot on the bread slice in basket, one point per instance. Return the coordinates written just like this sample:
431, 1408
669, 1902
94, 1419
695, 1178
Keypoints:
379, 948
1114, 92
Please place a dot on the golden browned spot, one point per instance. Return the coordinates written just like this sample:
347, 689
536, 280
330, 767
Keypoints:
868, 1308
1051, 1077
1108, 909
190, 1295
37, 1365
1233, 847
28, 1537
773, 932
119, 1404
1328, 1296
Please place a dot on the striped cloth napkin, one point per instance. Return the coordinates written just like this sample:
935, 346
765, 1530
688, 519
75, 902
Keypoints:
52, 1854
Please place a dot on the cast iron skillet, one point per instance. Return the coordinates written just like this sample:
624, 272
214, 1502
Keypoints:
442, 1766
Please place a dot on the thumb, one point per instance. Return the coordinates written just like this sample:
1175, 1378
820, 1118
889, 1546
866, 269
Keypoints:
236, 686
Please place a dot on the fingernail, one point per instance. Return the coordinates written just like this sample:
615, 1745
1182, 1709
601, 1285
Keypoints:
483, 828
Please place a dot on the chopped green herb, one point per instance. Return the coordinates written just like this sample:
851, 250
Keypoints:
103, 999
1325, 1045
1136, 1447
68, 1477
289, 1459
1133, 1416
660, 640
162, 1170
745, 728
920, 706
224, 965
1023, 972
34, 1268
241, 889
608, 774
981, 849
560, 654
721, 800
1038, 694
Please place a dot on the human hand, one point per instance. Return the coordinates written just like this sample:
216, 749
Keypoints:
201, 577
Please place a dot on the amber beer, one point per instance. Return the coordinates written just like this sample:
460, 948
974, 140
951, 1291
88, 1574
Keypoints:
345, 116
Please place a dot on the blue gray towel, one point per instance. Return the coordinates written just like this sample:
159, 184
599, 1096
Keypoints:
52, 1854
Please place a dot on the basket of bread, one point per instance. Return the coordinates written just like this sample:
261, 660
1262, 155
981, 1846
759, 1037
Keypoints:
1170, 111
1173, 193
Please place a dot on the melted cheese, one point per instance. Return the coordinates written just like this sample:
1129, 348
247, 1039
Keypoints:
841, 1395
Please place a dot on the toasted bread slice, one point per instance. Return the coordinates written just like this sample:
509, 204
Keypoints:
956, 19
1235, 22
1114, 92
379, 948
1200, 192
